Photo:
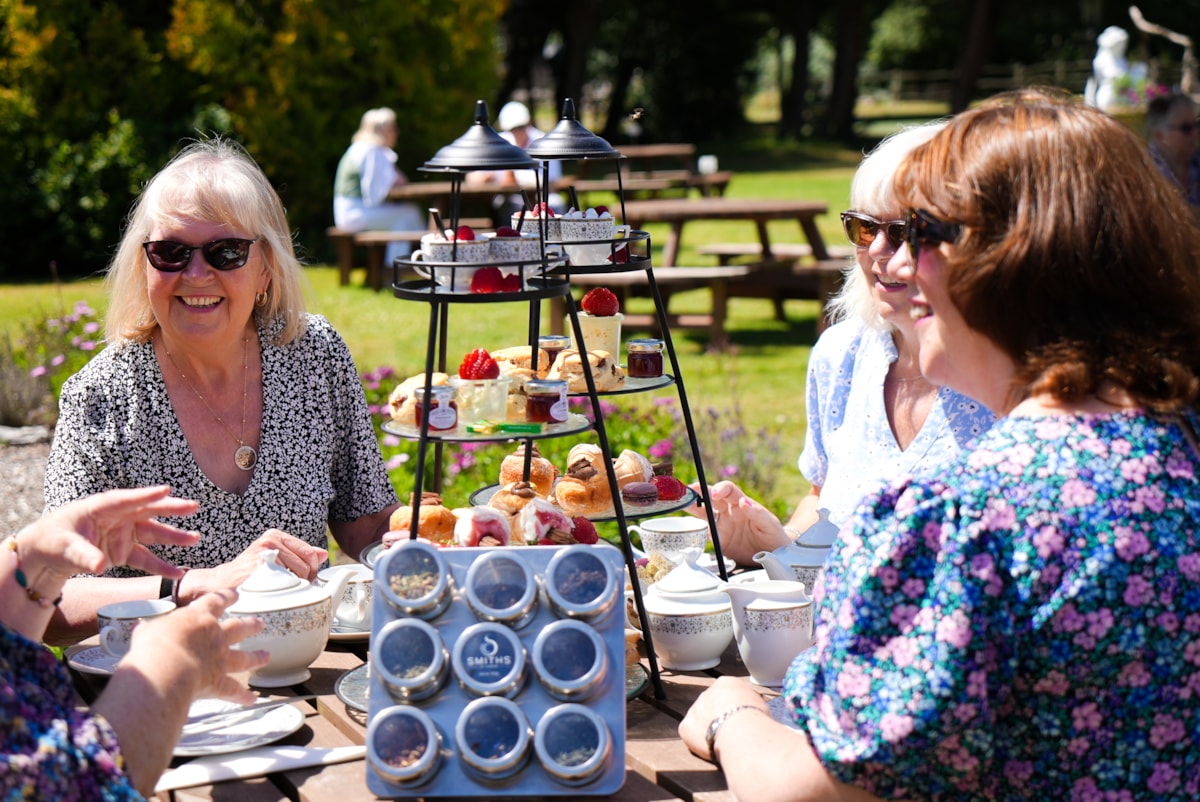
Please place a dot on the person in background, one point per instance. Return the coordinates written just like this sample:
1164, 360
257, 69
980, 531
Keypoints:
52, 749
871, 415
216, 381
515, 125
1023, 624
1171, 131
365, 175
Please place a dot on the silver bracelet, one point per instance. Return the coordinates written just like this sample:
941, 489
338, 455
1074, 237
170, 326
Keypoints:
792, 532
710, 735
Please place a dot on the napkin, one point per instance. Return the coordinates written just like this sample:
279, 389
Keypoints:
253, 763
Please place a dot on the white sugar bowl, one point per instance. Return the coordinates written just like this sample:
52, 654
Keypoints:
296, 614
690, 619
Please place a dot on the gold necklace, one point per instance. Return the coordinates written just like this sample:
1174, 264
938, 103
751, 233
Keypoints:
245, 457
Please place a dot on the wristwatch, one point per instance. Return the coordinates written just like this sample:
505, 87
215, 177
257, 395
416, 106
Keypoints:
710, 735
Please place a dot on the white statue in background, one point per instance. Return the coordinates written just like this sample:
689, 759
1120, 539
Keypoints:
1109, 67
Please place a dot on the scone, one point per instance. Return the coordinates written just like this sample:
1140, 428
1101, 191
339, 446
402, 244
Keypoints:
583, 490
435, 524
402, 403
542, 472
512, 498
606, 373
517, 358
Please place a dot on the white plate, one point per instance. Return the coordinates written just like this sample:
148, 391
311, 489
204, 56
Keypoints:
90, 660
270, 725
353, 688
348, 634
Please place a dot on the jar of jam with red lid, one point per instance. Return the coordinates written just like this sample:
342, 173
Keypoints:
644, 358
545, 401
443, 411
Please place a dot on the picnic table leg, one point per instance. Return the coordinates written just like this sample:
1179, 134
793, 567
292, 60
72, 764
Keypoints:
718, 340
671, 248
558, 310
768, 257
808, 224
375, 255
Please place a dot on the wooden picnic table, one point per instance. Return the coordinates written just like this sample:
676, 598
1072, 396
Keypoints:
658, 767
676, 212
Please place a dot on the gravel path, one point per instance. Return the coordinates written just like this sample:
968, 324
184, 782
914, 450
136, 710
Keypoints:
22, 472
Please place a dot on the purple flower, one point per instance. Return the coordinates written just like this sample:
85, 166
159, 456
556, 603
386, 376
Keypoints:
58, 360
661, 449
38, 372
396, 461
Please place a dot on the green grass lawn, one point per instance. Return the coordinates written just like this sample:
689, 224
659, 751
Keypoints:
762, 374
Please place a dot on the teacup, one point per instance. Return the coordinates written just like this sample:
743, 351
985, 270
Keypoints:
118, 619
468, 251
353, 609
672, 537
525, 248
528, 224
590, 240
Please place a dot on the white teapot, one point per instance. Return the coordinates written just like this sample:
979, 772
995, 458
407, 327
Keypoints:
689, 617
296, 614
804, 558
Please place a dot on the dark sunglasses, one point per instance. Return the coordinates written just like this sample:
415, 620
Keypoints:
925, 230
169, 256
862, 229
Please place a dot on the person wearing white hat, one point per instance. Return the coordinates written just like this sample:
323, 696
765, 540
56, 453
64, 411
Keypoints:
515, 125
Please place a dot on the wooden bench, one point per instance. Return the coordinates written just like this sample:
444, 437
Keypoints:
726, 252
669, 280
710, 184
787, 280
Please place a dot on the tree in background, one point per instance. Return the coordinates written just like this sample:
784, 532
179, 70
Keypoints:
95, 97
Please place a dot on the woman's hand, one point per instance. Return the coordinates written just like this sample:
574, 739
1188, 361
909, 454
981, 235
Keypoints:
95, 533
195, 643
299, 557
744, 526
722, 696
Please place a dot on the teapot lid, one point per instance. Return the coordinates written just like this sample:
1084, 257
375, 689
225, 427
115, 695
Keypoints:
821, 534
270, 576
688, 578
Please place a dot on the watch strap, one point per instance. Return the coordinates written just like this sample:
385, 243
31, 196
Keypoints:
710, 735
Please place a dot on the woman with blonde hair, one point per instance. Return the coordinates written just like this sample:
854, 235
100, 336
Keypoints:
365, 175
216, 381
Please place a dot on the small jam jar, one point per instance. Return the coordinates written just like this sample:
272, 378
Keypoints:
443, 411
545, 401
553, 345
644, 359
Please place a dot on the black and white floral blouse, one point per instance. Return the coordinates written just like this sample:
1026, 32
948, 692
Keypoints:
319, 459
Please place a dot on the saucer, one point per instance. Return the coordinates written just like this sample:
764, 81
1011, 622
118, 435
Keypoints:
353, 688
270, 725
88, 659
635, 680
343, 634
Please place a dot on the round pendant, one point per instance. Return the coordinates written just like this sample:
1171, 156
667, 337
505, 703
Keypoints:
245, 458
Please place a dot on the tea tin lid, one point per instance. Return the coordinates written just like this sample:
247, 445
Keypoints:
404, 744
489, 660
492, 735
499, 587
572, 743
410, 657
569, 659
580, 584
415, 578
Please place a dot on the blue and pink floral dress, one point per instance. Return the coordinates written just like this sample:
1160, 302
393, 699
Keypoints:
52, 750
1025, 626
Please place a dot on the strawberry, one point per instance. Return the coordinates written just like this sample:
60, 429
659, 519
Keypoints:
584, 531
601, 210
465, 233
669, 488
478, 365
600, 302
620, 257
506, 231
511, 283
543, 210
487, 279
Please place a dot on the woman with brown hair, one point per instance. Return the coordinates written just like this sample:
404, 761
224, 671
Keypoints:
1027, 624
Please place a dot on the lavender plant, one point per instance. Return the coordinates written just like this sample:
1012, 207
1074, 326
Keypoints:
44, 354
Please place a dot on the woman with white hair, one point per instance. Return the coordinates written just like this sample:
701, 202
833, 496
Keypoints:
365, 175
872, 416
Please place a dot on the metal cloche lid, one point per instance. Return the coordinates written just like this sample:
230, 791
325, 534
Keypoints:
570, 140
480, 148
